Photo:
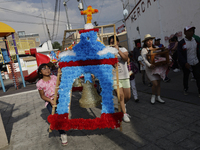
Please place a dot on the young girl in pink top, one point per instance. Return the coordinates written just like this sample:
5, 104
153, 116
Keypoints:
46, 87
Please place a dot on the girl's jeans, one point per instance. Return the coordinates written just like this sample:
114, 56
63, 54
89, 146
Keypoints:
49, 107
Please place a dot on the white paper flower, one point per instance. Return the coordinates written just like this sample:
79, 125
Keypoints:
108, 49
67, 53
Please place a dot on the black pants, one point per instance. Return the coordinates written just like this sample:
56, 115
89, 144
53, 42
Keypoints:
175, 60
196, 73
139, 66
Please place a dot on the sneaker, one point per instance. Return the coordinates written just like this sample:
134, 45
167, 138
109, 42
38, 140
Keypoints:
166, 79
176, 70
185, 92
136, 100
153, 99
126, 117
160, 100
64, 139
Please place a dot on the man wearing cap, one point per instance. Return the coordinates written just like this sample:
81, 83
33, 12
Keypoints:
157, 43
189, 57
136, 53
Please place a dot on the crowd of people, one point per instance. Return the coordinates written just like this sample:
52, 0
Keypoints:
184, 55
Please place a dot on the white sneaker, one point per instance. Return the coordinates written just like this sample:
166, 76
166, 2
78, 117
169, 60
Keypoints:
126, 117
176, 70
64, 139
153, 99
160, 100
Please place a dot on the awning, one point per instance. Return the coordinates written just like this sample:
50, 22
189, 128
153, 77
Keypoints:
5, 30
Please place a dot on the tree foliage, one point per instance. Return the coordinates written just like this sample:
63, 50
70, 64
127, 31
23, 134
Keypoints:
56, 45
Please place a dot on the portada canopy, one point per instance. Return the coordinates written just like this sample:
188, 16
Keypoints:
5, 30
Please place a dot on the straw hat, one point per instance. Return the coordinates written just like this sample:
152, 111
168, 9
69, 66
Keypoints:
147, 37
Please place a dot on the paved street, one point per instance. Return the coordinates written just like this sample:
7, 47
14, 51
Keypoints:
173, 89
174, 125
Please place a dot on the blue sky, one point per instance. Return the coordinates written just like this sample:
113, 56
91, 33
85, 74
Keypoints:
110, 11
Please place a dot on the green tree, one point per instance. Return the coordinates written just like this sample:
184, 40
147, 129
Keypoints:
56, 45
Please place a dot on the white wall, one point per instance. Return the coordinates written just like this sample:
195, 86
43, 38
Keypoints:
174, 14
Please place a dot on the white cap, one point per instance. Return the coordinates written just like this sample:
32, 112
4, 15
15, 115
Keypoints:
189, 27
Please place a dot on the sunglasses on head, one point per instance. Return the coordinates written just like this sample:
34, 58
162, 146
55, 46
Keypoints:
45, 68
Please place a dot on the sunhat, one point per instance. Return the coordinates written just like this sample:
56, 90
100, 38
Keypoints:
147, 37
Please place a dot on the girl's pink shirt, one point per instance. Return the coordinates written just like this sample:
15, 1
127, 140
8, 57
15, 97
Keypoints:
48, 87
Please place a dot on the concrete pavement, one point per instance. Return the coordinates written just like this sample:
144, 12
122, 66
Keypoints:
174, 125
173, 89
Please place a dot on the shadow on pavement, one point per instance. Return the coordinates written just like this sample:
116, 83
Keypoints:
113, 135
9, 117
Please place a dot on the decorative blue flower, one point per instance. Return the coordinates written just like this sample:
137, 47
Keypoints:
102, 72
87, 49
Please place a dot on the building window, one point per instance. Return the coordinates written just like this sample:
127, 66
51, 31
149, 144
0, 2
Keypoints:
21, 33
37, 40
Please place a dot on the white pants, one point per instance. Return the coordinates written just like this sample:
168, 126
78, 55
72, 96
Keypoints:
134, 90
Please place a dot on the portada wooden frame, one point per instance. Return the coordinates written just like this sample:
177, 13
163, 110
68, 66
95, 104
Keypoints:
76, 39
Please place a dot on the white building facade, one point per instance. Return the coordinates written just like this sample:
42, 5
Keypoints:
160, 18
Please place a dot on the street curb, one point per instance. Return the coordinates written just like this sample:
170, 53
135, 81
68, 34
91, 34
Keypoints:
18, 94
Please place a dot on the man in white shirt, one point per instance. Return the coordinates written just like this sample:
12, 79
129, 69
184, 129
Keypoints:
189, 58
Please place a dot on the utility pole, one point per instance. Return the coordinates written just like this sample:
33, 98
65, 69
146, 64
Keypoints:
84, 15
46, 22
81, 8
65, 4
48, 32
125, 26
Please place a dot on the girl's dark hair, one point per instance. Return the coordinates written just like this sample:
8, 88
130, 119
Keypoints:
112, 37
40, 76
145, 45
